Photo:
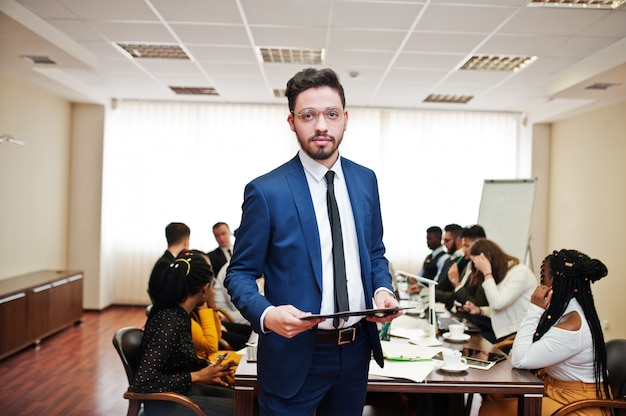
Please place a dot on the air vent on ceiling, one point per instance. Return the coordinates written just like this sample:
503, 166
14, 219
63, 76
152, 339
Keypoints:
601, 86
448, 98
279, 93
39, 59
497, 63
578, 4
195, 90
145, 51
292, 56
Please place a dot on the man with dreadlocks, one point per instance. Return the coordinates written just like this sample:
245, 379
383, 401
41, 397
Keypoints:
561, 335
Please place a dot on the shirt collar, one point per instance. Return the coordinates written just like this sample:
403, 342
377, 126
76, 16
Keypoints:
316, 169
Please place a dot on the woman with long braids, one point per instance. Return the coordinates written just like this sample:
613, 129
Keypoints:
167, 359
561, 335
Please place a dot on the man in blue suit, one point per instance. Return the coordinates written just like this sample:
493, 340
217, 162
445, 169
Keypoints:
312, 366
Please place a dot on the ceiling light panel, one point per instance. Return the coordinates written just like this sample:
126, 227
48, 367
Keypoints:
195, 90
147, 51
601, 86
578, 4
39, 59
278, 92
448, 98
292, 56
497, 63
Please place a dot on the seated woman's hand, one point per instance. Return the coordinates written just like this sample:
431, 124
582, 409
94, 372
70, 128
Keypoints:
542, 296
215, 373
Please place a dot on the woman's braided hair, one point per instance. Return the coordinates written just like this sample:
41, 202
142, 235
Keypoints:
572, 273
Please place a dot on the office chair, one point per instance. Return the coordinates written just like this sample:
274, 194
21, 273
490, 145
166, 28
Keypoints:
616, 364
127, 342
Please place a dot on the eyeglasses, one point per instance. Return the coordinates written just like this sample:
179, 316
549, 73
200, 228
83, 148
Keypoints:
332, 115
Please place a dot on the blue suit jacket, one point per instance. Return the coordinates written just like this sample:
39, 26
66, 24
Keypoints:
278, 237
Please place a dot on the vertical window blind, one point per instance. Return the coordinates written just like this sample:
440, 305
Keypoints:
189, 162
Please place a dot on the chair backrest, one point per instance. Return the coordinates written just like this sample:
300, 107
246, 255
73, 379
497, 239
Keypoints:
615, 361
127, 342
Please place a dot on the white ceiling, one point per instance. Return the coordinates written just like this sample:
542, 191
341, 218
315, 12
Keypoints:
402, 50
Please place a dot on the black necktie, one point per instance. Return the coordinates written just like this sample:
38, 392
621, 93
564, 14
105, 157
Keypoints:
339, 263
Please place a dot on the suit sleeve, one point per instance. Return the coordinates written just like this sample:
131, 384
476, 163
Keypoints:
248, 257
380, 265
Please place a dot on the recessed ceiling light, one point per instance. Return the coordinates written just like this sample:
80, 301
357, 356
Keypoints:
195, 90
578, 4
448, 98
146, 51
601, 86
292, 56
39, 59
497, 63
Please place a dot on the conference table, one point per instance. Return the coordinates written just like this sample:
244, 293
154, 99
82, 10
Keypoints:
501, 378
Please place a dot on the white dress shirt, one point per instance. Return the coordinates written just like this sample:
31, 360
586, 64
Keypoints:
315, 172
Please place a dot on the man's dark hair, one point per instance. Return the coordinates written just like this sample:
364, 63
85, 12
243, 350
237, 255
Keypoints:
434, 230
219, 224
473, 232
454, 229
313, 78
175, 232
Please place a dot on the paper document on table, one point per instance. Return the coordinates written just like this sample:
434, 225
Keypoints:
410, 370
408, 333
402, 350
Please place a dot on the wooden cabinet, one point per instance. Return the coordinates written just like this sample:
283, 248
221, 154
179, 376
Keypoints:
35, 305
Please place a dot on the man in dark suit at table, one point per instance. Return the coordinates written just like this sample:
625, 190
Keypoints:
221, 255
308, 366
177, 235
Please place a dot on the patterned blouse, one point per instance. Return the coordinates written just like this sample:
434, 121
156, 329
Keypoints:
167, 355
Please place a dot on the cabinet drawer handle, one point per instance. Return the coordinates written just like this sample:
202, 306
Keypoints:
14, 297
75, 278
42, 288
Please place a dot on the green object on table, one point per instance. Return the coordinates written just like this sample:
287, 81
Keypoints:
409, 359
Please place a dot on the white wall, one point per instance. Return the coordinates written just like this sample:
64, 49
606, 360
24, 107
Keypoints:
85, 202
587, 200
34, 180
540, 171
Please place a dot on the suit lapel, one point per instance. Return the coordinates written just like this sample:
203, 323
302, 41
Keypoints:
357, 196
302, 198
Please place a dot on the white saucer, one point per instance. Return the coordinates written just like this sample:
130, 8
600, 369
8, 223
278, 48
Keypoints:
448, 337
458, 369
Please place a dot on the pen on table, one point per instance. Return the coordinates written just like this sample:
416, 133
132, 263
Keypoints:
409, 359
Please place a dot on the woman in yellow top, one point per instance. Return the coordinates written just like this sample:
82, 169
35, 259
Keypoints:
206, 327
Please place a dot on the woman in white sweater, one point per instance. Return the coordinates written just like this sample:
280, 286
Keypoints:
507, 285
561, 334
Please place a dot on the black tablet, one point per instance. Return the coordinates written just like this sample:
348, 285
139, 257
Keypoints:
381, 312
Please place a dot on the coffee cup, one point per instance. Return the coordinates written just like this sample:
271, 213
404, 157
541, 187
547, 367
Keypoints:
456, 330
453, 359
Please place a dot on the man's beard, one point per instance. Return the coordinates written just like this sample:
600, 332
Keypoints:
320, 153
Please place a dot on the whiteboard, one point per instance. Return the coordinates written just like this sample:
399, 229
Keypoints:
505, 212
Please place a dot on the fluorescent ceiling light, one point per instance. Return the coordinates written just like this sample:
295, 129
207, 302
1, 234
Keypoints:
578, 4
292, 56
195, 90
448, 98
148, 51
497, 63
